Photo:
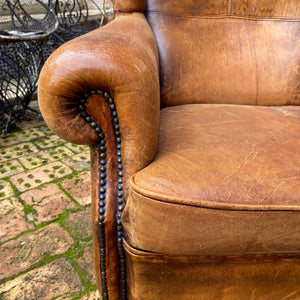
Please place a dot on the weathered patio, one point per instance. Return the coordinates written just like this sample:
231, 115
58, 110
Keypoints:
45, 228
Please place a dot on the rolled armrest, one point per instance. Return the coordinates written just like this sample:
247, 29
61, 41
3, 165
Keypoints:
102, 89
120, 58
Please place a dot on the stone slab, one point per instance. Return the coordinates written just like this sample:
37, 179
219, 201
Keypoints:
91, 296
9, 168
45, 156
77, 148
79, 187
21, 136
79, 161
15, 151
12, 219
48, 201
51, 140
85, 261
32, 248
33, 178
56, 280
6, 190
80, 224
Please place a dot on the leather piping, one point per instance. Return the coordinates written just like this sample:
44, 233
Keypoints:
207, 259
223, 16
154, 196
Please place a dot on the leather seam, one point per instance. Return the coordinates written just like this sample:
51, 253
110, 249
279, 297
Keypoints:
223, 16
137, 252
208, 205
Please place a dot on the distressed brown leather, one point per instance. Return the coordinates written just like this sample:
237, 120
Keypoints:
258, 277
213, 212
225, 180
129, 5
238, 52
111, 60
279, 9
246, 157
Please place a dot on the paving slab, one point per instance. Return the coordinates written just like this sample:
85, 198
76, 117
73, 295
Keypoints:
79, 187
56, 280
80, 224
48, 201
40, 175
85, 261
10, 167
91, 296
79, 161
48, 141
77, 148
21, 136
12, 219
46, 129
6, 190
32, 248
15, 151
45, 156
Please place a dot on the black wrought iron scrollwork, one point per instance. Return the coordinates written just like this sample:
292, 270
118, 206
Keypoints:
26, 23
77, 17
23, 30
71, 12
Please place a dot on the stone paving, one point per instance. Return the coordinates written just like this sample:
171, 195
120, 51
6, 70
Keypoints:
45, 223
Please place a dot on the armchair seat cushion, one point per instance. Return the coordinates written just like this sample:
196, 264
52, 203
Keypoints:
225, 181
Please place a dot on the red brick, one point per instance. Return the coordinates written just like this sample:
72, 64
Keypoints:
79, 187
56, 280
48, 201
26, 251
12, 219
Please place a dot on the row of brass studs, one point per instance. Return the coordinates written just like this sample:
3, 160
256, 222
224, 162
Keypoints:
102, 189
120, 197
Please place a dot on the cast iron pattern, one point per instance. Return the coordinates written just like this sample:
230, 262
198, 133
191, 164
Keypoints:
102, 188
77, 17
23, 33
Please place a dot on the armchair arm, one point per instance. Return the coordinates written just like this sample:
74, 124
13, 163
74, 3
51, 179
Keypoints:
102, 89
120, 58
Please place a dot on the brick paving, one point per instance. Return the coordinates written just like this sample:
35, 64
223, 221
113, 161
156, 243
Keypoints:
45, 223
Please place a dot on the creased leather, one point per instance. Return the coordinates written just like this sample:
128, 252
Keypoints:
227, 59
225, 180
259, 9
120, 58
256, 277
226, 156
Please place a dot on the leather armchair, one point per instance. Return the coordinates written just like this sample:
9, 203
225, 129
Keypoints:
191, 110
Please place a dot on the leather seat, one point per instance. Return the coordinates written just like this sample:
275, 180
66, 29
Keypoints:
192, 113
225, 180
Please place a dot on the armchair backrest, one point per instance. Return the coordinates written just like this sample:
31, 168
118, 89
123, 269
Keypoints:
226, 51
